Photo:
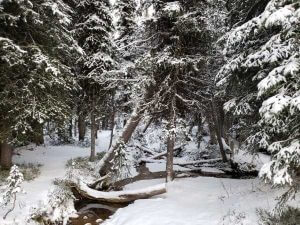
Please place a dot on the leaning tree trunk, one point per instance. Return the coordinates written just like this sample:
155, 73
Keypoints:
112, 126
105, 163
6, 156
171, 141
112, 121
81, 127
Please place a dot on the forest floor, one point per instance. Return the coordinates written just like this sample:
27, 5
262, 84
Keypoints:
188, 201
53, 160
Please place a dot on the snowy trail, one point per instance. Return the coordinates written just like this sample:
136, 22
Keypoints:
53, 160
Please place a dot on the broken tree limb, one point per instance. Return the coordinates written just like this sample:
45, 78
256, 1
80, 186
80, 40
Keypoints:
118, 196
158, 156
94, 185
154, 154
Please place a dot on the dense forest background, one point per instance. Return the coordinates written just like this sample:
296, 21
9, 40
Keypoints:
224, 69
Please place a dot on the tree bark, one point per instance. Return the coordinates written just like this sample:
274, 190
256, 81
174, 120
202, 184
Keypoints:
147, 125
112, 121
38, 133
6, 156
75, 127
218, 132
81, 127
213, 140
171, 141
71, 128
112, 126
93, 133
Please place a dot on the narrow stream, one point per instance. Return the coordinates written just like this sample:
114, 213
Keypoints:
92, 213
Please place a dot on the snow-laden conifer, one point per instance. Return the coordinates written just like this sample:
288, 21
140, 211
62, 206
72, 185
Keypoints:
262, 77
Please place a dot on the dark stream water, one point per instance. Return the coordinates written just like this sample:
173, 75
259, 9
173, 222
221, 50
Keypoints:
94, 213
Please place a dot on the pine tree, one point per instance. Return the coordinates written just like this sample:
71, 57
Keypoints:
176, 42
93, 32
11, 189
125, 10
35, 53
262, 79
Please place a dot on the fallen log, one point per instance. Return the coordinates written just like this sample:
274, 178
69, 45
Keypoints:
118, 185
118, 196
197, 162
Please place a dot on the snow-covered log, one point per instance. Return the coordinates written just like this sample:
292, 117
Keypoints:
197, 162
118, 196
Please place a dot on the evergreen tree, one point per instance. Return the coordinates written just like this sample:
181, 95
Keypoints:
262, 79
93, 32
176, 41
35, 53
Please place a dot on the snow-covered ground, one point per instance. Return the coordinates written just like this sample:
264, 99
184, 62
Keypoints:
53, 159
188, 201
199, 201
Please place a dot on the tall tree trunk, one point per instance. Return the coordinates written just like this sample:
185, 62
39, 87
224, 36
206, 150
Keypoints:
38, 135
71, 128
93, 133
199, 131
6, 156
171, 141
218, 132
75, 127
212, 132
112, 126
81, 127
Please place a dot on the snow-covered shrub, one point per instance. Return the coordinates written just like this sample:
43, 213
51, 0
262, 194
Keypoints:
262, 77
122, 162
58, 206
30, 172
288, 216
12, 187
81, 168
